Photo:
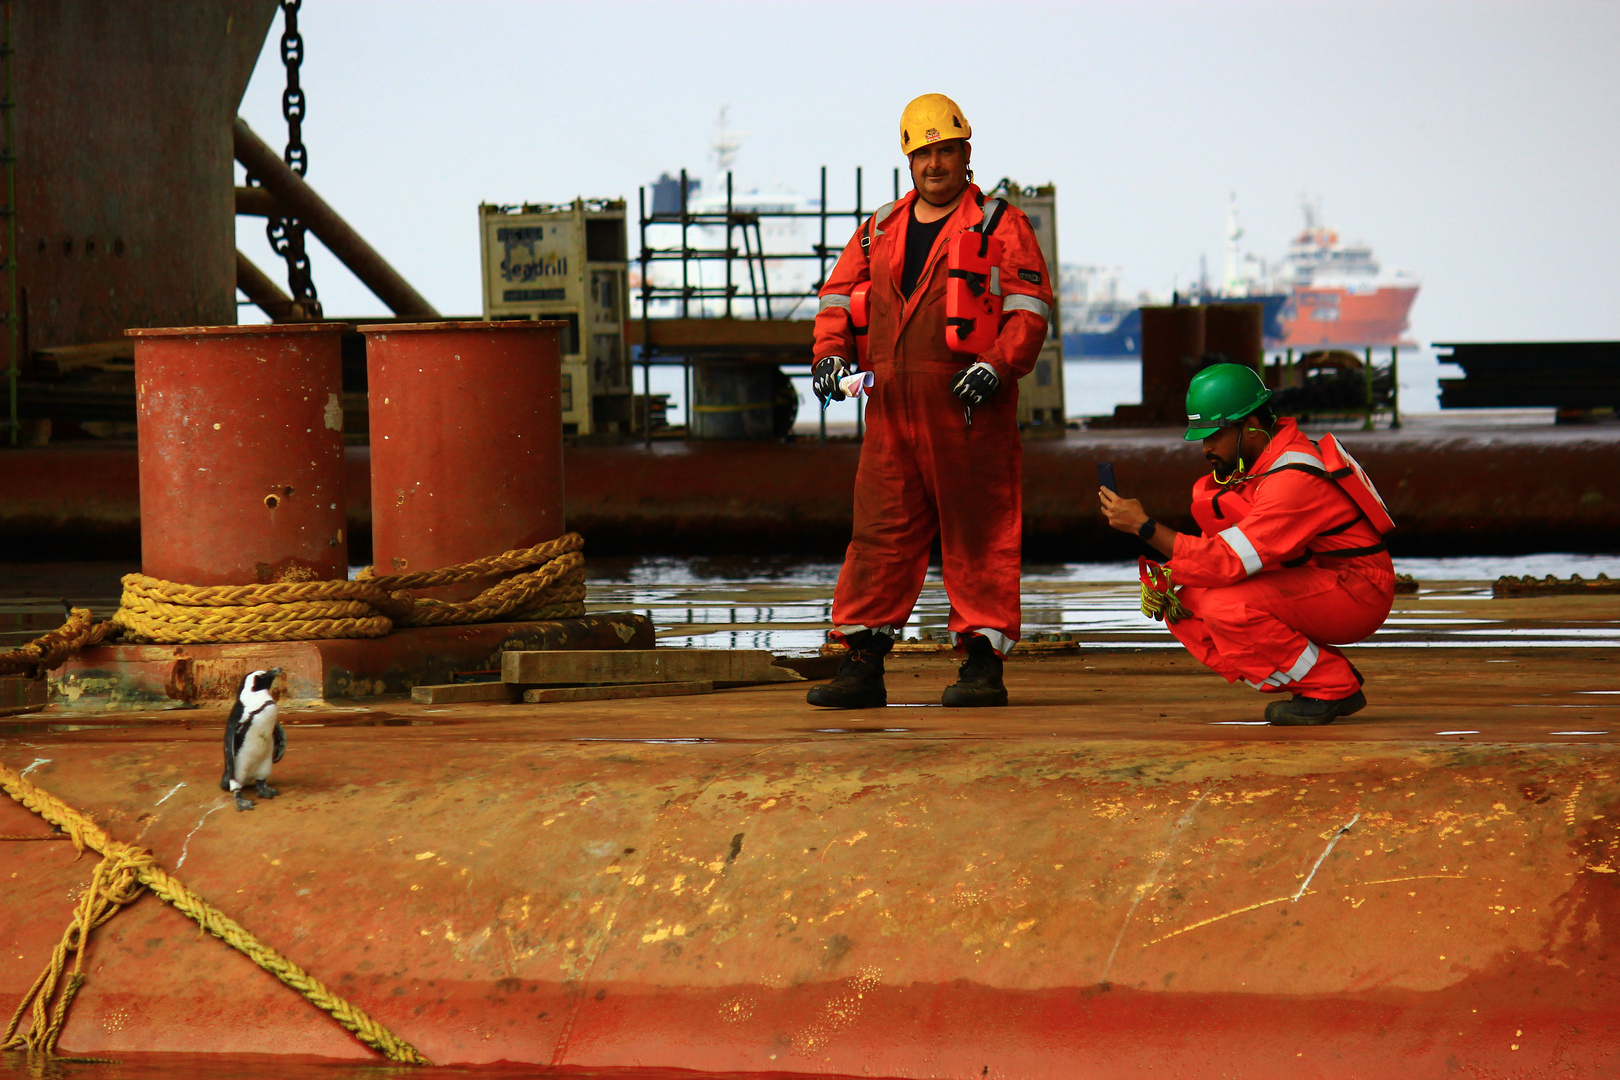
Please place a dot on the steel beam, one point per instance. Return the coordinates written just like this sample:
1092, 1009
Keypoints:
290, 190
257, 286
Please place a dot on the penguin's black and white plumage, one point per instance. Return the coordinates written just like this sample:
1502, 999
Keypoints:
254, 739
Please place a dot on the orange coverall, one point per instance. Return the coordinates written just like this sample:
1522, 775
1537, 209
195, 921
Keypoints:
1269, 598
924, 470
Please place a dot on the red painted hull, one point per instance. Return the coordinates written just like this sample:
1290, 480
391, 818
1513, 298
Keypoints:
725, 497
1334, 316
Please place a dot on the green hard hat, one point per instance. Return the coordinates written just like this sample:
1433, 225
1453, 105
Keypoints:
1220, 396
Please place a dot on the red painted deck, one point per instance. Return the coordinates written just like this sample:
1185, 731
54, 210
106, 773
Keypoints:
1103, 880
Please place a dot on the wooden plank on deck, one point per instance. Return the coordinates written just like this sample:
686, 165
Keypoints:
462, 693
550, 694
564, 667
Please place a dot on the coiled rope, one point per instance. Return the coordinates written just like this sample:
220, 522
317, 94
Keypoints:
122, 875
50, 650
546, 581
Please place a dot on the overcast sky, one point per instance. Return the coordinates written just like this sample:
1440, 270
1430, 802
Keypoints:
1475, 144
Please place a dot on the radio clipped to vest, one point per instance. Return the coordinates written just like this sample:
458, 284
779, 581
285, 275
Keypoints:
973, 287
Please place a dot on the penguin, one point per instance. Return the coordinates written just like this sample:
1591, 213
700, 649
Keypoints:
254, 740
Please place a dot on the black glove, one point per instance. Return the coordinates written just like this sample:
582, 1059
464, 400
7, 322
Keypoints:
975, 384
825, 375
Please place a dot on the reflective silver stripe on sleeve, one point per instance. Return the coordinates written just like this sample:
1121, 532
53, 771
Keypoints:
1302, 666
832, 300
995, 281
1020, 302
1243, 549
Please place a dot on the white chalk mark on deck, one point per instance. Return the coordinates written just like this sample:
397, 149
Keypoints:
1153, 879
182, 860
37, 763
1319, 859
172, 790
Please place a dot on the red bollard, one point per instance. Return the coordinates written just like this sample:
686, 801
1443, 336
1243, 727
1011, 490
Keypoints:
466, 443
241, 453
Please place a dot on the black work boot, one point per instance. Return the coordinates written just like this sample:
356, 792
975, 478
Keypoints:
1304, 711
978, 681
859, 682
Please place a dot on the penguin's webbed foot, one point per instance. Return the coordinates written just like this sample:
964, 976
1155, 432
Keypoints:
265, 790
243, 804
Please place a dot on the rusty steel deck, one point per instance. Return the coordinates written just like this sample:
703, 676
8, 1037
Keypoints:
1119, 874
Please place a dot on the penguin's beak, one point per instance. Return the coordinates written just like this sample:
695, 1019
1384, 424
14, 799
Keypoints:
274, 674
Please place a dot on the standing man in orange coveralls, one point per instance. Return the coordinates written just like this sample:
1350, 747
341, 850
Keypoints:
941, 454
1289, 564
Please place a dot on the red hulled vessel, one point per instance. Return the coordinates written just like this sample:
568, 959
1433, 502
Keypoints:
1338, 293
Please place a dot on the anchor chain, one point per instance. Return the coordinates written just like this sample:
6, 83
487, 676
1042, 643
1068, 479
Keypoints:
287, 234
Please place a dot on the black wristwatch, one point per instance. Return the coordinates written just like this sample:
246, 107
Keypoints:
1146, 531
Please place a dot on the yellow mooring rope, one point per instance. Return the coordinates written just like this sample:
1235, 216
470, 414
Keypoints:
123, 873
546, 582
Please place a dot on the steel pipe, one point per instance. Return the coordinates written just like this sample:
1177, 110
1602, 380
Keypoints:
258, 287
290, 190
257, 202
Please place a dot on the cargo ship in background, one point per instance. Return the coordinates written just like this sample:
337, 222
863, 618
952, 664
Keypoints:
1323, 293
1338, 294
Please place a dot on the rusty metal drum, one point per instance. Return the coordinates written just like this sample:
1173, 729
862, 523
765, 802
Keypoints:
241, 453
1236, 331
466, 442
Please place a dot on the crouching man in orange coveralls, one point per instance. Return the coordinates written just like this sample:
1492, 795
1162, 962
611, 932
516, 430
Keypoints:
941, 454
1292, 560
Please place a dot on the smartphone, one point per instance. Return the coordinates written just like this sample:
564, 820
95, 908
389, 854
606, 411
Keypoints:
1105, 474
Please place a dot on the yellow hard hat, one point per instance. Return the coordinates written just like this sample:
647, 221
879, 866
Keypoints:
932, 118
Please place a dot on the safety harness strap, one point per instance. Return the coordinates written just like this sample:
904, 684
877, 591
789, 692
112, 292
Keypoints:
870, 230
1349, 553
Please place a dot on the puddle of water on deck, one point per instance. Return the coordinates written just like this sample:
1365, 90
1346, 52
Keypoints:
785, 606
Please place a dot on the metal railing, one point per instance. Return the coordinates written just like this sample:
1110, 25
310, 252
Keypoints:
759, 298
737, 223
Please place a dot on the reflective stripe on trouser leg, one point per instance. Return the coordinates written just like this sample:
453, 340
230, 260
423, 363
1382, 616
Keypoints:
1302, 667
1270, 631
890, 632
833, 300
998, 641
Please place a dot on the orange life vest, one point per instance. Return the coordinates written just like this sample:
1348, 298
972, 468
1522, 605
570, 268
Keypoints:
1216, 509
973, 291
1347, 472
860, 318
